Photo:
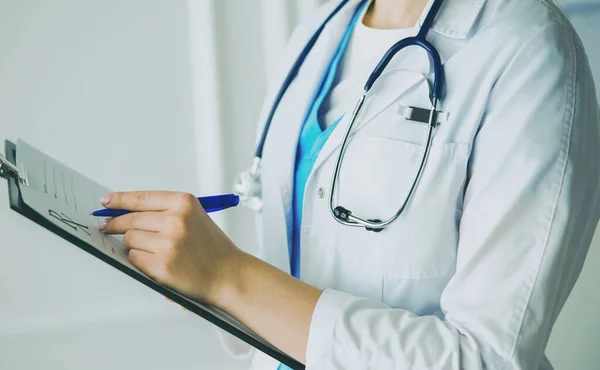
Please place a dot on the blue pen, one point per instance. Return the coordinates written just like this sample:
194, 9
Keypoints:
210, 204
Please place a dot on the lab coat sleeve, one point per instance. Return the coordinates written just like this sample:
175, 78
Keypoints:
529, 213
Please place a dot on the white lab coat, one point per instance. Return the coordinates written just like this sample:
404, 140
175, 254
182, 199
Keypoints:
475, 271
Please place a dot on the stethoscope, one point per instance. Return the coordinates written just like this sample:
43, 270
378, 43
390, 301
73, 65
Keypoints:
248, 185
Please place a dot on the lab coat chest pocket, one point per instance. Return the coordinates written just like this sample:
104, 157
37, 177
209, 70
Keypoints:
375, 180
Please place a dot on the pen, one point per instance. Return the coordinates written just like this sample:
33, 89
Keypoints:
210, 204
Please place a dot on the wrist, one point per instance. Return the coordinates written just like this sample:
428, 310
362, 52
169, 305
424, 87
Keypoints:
230, 285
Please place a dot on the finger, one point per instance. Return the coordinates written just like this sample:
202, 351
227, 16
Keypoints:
142, 240
140, 200
143, 261
147, 221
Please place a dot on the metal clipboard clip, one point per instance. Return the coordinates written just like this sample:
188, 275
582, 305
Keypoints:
9, 169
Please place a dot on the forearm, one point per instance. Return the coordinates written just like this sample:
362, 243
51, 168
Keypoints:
275, 305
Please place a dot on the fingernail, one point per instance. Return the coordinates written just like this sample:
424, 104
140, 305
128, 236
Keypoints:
105, 200
102, 225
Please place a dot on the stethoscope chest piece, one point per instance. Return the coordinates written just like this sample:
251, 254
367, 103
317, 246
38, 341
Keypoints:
248, 187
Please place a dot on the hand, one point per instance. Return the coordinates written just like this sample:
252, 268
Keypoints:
171, 239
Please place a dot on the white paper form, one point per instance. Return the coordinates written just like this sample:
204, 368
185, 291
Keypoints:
66, 198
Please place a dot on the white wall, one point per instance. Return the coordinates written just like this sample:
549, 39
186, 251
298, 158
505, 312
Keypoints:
77, 75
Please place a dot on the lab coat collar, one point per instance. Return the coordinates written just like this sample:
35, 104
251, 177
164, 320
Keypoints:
456, 17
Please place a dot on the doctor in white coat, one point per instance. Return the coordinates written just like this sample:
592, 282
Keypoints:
475, 270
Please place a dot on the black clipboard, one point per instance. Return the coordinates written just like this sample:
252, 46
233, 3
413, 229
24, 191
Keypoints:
17, 204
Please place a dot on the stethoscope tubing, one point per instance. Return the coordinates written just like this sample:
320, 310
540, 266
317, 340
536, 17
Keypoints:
340, 214
291, 76
344, 216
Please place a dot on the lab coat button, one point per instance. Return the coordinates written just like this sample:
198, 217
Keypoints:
321, 192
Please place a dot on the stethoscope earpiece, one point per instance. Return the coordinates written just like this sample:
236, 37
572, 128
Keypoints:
342, 213
375, 229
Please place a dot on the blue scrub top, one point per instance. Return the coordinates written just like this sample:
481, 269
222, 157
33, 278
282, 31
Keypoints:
311, 141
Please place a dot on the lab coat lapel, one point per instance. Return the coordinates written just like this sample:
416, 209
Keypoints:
280, 146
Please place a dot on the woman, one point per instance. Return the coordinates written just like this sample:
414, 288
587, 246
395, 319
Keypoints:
478, 265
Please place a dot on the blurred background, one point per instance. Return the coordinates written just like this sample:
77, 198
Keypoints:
174, 89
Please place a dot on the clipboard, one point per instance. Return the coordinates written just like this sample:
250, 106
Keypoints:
16, 176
